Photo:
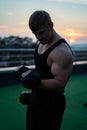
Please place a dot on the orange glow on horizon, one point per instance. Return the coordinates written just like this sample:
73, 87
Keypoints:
71, 34
72, 40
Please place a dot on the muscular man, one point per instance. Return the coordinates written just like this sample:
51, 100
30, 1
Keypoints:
53, 61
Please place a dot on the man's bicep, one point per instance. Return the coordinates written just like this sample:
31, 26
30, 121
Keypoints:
60, 72
56, 70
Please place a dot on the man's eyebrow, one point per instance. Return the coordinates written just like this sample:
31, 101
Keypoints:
39, 32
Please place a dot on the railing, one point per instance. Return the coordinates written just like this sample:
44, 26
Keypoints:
15, 57
80, 55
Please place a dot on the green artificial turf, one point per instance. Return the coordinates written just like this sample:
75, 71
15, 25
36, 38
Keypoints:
75, 116
12, 113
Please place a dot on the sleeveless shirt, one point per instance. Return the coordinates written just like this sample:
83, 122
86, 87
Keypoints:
41, 61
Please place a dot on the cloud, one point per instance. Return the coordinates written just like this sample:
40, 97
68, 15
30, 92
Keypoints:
23, 23
72, 1
10, 14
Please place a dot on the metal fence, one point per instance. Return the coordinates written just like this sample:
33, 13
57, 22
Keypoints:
15, 57
80, 55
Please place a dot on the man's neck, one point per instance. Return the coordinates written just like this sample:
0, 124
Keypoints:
55, 38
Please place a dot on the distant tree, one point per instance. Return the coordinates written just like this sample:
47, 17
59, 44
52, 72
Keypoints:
2, 43
17, 42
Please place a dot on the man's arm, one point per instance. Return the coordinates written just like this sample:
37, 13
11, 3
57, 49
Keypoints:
61, 69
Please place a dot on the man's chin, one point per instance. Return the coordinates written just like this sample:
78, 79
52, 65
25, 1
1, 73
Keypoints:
44, 42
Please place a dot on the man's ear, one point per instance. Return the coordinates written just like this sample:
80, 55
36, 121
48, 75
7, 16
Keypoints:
51, 24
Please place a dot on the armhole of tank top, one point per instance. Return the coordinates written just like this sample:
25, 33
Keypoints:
58, 43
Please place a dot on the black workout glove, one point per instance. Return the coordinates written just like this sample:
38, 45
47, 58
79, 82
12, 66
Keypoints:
24, 98
21, 69
31, 79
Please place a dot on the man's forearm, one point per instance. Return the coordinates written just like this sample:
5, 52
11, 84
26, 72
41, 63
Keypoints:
51, 85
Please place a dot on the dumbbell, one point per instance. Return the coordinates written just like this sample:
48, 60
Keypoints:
31, 79
24, 97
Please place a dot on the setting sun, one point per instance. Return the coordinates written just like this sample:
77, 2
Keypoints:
72, 40
71, 34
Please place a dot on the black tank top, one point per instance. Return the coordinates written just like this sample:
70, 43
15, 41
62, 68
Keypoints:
41, 61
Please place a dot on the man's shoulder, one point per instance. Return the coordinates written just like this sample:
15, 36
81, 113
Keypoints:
62, 53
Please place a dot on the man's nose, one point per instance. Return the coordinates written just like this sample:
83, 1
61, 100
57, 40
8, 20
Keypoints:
38, 36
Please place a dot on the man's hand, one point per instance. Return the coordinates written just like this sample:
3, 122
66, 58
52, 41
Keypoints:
21, 69
31, 79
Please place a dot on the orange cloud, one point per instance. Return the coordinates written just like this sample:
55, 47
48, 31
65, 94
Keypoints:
19, 30
2, 27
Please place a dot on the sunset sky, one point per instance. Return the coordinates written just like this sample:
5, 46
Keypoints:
69, 17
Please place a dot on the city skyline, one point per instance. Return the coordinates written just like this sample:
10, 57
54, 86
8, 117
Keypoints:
69, 17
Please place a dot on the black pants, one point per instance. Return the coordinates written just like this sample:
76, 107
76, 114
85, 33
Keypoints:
45, 111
